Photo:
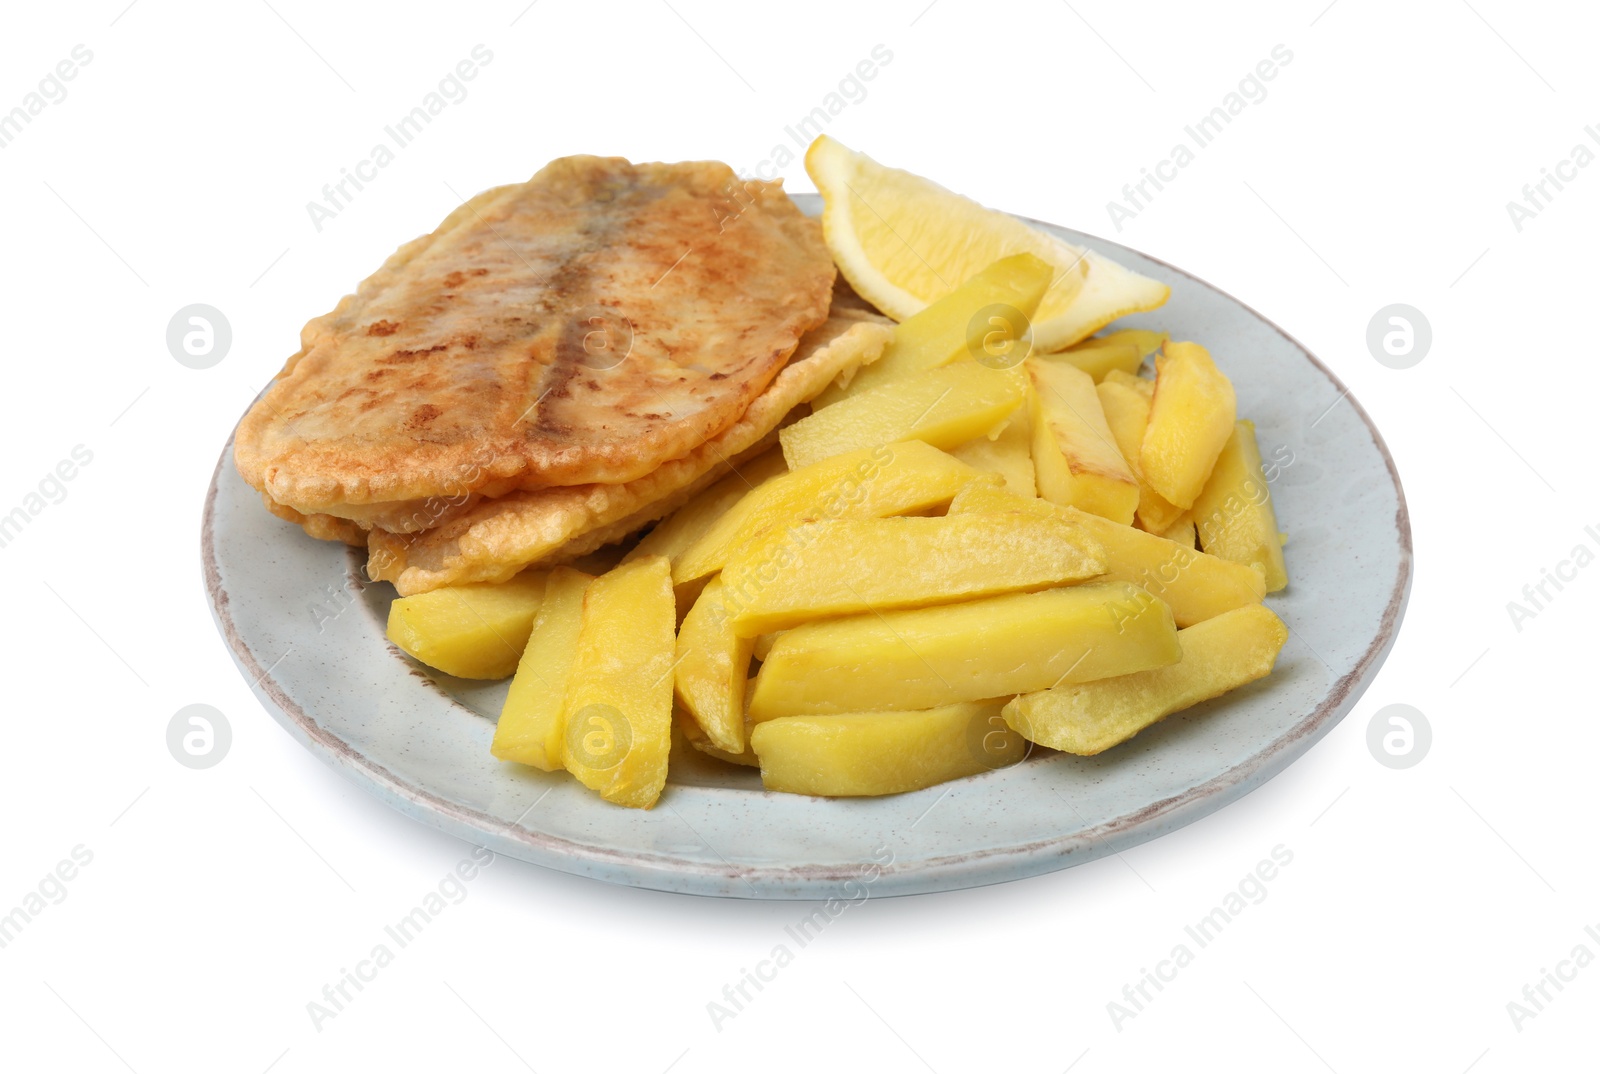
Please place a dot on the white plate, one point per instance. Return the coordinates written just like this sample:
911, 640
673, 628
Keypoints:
309, 636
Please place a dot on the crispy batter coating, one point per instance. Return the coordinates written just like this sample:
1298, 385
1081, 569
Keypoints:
584, 327
499, 537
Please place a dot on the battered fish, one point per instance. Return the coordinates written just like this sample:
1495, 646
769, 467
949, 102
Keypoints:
584, 327
499, 537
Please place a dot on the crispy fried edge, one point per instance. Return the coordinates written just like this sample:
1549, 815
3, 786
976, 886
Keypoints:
613, 511
254, 464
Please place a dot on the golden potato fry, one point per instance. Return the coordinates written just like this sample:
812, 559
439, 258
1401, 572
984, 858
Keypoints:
927, 657
1146, 388
675, 533
713, 663
1127, 412
618, 709
1219, 655
1195, 585
940, 333
475, 631
1008, 453
943, 407
872, 753
1075, 457
874, 482
1191, 418
764, 644
1234, 516
530, 727
846, 566
1100, 356
1147, 340
1182, 532
696, 739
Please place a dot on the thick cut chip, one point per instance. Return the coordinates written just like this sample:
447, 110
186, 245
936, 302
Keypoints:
848, 566
1127, 412
1008, 453
891, 479
764, 644
1100, 357
984, 316
585, 326
469, 631
1147, 340
713, 663
618, 709
1075, 458
1146, 388
499, 537
868, 753
1234, 516
1196, 586
693, 737
926, 657
685, 525
691, 733
1219, 655
1121, 352
1182, 532
943, 407
530, 728
1191, 418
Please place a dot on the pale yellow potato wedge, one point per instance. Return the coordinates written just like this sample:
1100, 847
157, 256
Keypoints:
1195, 585
1127, 412
1182, 532
942, 407
927, 657
848, 566
1008, 453
942, 332
530, 728
1219, 655
1099, 357
1147, 340
691, 733
1146, 388
1191, 418
689, 592
764, 644
873, 753
874, 482
618, 709
675, 533
475, 631
713, 663
694, 738
747, 757
1234, 516
1075, 458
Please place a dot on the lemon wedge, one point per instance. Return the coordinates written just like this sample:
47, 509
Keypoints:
903, 241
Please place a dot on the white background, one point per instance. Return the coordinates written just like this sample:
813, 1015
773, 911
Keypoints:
1377, 170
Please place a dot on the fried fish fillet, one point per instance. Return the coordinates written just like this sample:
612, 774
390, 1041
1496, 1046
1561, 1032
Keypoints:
499, 537
583, 327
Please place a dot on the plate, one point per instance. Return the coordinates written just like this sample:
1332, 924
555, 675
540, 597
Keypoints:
308, 634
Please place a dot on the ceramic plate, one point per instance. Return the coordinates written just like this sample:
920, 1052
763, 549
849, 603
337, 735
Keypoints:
309, 636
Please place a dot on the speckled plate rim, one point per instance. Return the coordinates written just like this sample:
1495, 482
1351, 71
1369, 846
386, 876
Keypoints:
806, 881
